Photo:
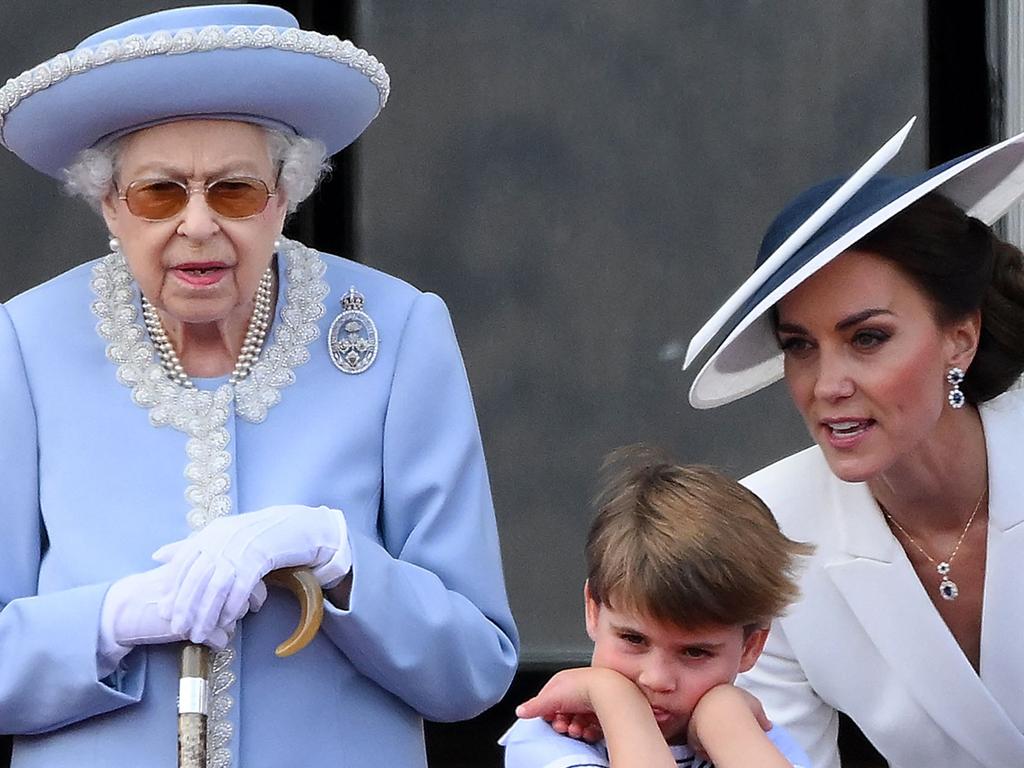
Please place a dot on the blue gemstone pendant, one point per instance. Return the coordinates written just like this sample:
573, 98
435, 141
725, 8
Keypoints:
947, 587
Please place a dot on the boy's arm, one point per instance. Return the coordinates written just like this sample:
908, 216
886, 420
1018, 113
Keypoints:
725, 728
630, 730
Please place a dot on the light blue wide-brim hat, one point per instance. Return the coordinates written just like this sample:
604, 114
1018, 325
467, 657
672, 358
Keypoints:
240, 62
818, 226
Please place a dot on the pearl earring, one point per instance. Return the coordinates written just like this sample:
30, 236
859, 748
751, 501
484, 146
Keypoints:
955, 377
115, 245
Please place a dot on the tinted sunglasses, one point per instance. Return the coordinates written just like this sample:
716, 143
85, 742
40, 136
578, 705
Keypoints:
160, 199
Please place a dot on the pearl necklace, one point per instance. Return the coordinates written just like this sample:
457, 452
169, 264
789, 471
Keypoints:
947, 587
252, 345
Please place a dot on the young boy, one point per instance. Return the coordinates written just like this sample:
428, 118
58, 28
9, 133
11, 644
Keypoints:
685, 570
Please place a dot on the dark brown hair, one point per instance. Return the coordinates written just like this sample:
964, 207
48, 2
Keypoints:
686, 545
962, 267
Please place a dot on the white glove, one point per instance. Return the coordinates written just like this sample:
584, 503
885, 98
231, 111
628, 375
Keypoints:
129, 616
219, 567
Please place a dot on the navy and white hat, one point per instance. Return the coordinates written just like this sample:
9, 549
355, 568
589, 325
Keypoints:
813, 230
238, 62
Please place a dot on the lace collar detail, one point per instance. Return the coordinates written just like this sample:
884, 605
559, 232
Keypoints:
192, 411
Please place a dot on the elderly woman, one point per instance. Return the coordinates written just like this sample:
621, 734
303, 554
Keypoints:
896, 318
191, 396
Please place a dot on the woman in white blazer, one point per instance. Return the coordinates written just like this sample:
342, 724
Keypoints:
896, 318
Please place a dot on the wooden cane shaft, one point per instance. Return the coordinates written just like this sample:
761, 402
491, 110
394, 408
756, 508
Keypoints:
193, 705
191, 741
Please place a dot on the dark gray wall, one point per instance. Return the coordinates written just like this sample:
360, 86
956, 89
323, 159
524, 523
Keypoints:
584, 181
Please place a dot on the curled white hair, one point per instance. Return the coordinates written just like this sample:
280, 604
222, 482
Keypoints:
302, 164
91, 175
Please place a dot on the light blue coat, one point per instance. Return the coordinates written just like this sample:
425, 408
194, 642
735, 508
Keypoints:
91, 488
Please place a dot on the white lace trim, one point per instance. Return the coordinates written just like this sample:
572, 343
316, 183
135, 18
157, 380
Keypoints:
203, 415
191, 40
219, 729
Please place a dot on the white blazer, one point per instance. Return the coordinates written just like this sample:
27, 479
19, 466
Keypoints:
865, 639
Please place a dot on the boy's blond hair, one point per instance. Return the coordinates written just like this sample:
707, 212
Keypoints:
687, 545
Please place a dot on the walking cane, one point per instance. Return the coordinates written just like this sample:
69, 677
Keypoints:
194, 685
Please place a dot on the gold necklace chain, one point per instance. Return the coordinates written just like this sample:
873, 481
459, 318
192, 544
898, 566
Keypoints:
947, 587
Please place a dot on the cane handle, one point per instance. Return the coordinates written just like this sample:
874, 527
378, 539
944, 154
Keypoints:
303, 584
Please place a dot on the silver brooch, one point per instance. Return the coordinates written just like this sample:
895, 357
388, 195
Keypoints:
352, 340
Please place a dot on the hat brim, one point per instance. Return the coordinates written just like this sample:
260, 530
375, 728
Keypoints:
249, 63
984, 184
795, 241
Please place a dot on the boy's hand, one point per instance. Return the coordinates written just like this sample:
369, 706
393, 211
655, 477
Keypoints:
566, 701
582, 725
568, 692
615, 703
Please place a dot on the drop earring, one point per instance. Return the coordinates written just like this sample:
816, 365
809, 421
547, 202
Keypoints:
955, 377
115, 245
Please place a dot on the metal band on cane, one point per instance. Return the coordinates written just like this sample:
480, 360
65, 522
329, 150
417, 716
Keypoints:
193, 696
